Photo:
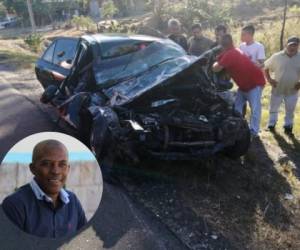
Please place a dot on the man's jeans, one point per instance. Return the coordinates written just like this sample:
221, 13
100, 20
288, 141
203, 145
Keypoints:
290, 102
254, 98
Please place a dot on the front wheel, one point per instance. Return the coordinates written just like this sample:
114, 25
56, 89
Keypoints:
241, 145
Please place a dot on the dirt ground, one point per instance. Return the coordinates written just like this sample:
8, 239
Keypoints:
251, 203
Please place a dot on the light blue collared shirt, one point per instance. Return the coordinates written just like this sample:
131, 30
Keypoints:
40, 195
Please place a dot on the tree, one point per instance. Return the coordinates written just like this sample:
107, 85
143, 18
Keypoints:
206, 12
94, 9
283, 24
19, 7
209, 13
2, 11
31, 16
109, 9
44, 12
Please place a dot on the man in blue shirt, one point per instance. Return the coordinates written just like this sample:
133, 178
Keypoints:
43, 207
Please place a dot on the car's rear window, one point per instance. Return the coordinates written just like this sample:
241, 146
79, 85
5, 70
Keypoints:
121, 48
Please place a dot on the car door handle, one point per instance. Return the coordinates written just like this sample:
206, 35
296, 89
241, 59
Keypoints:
57, 76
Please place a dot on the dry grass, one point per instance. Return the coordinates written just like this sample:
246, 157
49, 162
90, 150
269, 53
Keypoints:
17, 59
73, 32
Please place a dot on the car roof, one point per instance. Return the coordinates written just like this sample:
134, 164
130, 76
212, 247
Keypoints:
108, 38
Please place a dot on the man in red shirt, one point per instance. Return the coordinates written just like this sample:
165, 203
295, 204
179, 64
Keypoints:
248, 77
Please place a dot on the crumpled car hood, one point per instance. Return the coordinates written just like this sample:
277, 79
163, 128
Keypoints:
132, 88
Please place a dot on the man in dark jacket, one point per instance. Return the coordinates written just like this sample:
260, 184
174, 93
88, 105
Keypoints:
198, 43
43, 207
174, 28
220, 31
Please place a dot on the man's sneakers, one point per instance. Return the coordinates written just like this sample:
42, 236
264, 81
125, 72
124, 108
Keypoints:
288, 130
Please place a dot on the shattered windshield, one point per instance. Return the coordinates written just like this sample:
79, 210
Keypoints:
131, 59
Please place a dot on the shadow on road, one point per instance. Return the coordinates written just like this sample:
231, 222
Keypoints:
19, 118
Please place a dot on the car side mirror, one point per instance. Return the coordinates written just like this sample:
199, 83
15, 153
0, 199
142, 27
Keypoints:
61, 54
49, 93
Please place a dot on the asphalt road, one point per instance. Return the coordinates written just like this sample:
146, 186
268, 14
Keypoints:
119, 222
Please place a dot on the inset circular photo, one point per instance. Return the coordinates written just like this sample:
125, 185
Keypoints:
50, 185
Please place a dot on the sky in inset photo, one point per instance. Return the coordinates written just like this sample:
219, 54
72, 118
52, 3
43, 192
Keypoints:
22, 151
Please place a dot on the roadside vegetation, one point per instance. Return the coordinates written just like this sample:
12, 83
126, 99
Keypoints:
15, 53
17, 59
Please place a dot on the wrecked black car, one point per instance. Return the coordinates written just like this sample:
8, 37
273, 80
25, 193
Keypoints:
137, 97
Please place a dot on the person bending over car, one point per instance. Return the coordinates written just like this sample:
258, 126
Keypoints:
221, 79
43, 207
248, 77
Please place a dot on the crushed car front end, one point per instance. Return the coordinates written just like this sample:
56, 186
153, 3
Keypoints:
150, 99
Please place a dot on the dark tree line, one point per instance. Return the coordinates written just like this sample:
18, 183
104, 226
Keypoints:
45, 12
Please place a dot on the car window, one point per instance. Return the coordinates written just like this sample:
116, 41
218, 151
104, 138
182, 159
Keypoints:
116, 49
48, 55
65, 51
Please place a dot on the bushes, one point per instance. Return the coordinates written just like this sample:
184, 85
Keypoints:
295, 9
192, 11
269, 34
34, 41
83, 22
113, 26
2, 11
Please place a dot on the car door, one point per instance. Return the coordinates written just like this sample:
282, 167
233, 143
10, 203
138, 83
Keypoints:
55, 64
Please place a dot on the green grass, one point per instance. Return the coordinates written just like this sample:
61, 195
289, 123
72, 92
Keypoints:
17, 59
265, 115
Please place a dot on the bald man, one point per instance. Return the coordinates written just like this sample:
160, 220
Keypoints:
43, 207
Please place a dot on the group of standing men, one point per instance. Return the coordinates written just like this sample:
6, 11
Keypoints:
248, 68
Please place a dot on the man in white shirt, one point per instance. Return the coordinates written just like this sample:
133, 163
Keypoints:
282, 71
254, 50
